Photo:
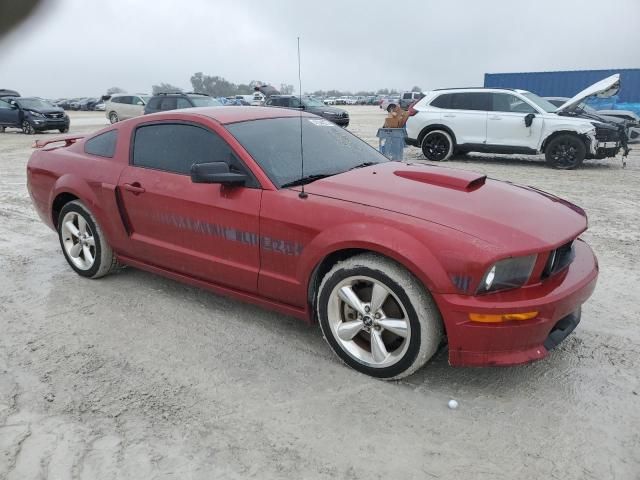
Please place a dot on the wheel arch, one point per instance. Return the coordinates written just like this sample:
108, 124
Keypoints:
436, 126
582, 136
330, 258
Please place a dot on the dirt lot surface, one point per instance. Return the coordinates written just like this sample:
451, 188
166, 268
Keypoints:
135, 377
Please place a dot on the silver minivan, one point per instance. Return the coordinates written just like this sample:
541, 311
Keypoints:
122, 106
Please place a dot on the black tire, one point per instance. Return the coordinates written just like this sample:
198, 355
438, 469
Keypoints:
113, 117
437, 145
64, 130
422, 315
2, 129
104, 259
565, 152
27, 128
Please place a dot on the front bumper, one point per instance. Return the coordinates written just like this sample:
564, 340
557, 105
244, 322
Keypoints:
557, 302
49, 123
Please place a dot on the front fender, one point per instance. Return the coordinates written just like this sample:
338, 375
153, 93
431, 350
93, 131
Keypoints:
398, 245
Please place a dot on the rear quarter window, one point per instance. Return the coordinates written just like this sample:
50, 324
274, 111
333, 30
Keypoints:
103, 145
442, 101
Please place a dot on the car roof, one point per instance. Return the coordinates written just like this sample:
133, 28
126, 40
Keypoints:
227, 115
480, 89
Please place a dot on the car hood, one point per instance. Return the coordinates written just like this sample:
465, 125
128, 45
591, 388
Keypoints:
512, 217
604, 88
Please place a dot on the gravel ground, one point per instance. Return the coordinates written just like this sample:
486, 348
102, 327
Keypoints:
136, 376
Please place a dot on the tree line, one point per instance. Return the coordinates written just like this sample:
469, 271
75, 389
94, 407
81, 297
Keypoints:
218, 86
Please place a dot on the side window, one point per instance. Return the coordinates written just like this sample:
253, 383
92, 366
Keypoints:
505, 102
154, 104
470, 101
115, 99
442, 101
292, 102
4, 105
175, 147
168, 103
103, 145
135, 100
406, 96
183, 103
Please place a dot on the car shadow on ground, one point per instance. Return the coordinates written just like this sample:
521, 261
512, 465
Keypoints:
436, 376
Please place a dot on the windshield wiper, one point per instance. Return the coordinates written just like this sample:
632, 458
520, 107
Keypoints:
306, 179
362, 165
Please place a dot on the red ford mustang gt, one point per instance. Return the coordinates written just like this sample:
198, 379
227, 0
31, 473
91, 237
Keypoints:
392, 259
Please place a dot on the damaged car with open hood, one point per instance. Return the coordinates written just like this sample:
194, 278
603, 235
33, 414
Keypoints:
513, 121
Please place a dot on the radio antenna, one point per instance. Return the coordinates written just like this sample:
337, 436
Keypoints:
302, 193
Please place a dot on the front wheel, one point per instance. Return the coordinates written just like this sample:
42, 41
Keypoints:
377, 317
437, 145
113, 117
83, 243
27, 128
565, 152
64, 130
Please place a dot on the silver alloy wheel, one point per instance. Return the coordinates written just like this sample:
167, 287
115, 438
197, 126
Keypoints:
27, 128
113, 117
78, 240
369, 321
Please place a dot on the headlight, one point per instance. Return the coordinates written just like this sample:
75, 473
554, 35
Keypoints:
36, 114
508, 273
329, 113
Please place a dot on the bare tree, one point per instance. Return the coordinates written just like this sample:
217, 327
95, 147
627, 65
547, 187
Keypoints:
113, 90
165, 88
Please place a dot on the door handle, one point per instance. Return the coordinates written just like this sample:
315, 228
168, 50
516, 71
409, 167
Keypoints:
495, 118
448, 115
134, 188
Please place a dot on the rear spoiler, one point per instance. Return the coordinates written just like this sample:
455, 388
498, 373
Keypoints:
68, 140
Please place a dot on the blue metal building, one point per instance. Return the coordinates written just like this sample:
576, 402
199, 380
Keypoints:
568, 83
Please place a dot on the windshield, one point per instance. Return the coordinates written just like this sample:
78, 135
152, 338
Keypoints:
312, 102
33, 103
205, 102
328, 149
145, 98
540, 102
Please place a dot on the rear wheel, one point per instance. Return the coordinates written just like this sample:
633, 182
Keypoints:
113, 117
83, 243
437, 145
27, 128
64, 130
377, 317
565, 152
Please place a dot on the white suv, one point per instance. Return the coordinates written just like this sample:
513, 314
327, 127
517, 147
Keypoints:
122, 106
498, 120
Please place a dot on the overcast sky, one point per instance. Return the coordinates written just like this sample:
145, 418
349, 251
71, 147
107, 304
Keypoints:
81, 48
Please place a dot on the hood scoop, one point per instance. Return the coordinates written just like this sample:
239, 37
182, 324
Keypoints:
457, 180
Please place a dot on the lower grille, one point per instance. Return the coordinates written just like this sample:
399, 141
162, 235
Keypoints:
54, 115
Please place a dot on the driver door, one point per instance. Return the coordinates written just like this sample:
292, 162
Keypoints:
202, 230
9, 114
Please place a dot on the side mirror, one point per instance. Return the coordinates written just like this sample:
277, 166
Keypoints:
139, 103
216, 172
528, 119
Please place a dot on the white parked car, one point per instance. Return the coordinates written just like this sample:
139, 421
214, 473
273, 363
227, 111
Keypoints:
329, 101
122, 106
498, 120
388, 101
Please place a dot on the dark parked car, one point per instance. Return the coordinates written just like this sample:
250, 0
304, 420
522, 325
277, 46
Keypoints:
311, 105
31, 115
172, 101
